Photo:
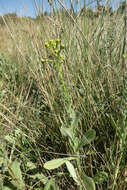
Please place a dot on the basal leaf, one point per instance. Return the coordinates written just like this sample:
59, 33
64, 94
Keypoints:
6, 188
55, 163
66, 132
15, 171
15, 166
88, 183
100, 177
87, 138
75, 120
72, 172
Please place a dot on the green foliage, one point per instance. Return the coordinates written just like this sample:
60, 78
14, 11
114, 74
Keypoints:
75, 144
15, 172
100, 177
88, 183
87, 138
50, 165
72, 172
12, 172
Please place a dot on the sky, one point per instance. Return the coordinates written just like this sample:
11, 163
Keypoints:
27, 7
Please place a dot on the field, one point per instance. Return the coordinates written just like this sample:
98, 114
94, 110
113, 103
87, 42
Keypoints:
63, 102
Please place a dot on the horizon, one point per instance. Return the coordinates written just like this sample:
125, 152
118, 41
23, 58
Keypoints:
28, 7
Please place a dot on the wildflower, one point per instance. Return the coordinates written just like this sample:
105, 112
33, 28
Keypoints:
57, 51
58, 41
61, 58
47, 45
52, 43
62, 46
43, 60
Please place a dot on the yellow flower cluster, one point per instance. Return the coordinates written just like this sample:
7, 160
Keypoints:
54, 48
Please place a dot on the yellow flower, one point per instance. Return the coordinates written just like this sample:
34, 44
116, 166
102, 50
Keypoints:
47, 45
62, 58
52, 43
44, 60
58, 40
62, 46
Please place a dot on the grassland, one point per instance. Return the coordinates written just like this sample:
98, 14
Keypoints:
63, 94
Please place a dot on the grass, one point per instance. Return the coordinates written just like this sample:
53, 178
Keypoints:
63, 101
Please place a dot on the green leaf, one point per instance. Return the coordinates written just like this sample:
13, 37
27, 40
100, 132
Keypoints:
15, 172
87, 138
75, 120
66, 132
15, 166
100, 177
55, 163
88, 182
72, 172
6, 188
76, 143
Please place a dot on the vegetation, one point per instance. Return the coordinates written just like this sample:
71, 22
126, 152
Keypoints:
63, 101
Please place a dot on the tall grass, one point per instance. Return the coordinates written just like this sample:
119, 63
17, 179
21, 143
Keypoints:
42, 96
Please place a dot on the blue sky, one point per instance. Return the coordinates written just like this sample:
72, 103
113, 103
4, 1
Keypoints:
27, 7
